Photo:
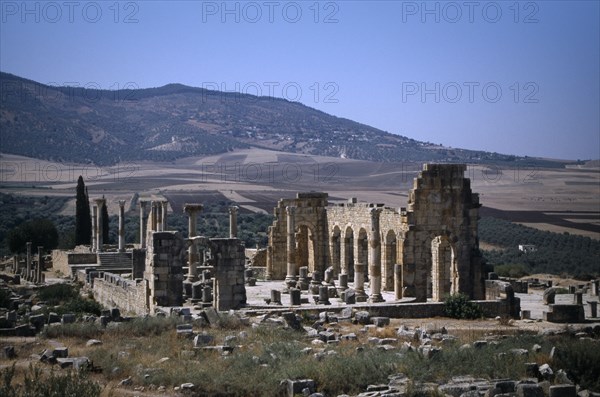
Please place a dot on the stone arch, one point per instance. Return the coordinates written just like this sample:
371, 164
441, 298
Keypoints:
390, 258
444, 275
335, 249
348, 253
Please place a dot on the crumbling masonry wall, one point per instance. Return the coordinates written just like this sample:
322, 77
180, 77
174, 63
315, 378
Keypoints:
131, 297
164, 269
440, 248
228, 284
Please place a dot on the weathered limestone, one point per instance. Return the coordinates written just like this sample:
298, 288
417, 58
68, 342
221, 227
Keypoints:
192, 211
158, 216
398, 281
359, 281
39, 274
143, 221
121, 225
100, 203
434, 239
593, 308
228, 284
163, 273
153, 217
324, 295
290, 278
233, 221
595, 287
303, 280
28, 268
163, 218
375, 257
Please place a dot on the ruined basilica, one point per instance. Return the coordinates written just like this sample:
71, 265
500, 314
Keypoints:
427, 250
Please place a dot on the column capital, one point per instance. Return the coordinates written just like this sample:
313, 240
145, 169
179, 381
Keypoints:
233, 209
192, 208
121, 203
290, 210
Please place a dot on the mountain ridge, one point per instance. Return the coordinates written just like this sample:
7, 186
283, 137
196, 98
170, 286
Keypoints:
175, 120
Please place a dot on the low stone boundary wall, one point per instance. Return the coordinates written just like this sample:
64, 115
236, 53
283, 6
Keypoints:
131, 297
399, 310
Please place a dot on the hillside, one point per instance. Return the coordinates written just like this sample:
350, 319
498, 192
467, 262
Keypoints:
106, 127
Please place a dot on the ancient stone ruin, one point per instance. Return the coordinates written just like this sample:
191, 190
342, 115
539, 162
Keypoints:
323, 253
427, 250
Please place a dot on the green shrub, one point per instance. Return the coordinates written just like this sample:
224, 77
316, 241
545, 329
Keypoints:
76, 330
144, 326
581, 360
70, 384
459, 306
55, 294
4, 298
513, 270
81, 305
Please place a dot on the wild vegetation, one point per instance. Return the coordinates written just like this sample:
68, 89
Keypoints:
556, 253
150, 353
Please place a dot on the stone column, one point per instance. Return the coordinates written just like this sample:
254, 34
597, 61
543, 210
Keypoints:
158, 216
28, 268
398, 293
290, 278
94, 228
233, 221
192, 211
142, 224
100, 204
360, 269
375, 257
121, 225
39, 274
154, 215
359, 281
165, 208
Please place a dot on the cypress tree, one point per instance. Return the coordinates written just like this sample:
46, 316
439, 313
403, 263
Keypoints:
104, 224
83, 221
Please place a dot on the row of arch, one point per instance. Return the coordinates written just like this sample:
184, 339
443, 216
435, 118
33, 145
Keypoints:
343, 250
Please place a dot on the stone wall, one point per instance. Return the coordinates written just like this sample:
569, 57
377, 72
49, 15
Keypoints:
441, 218
228, 284
164, 268
138, 262
129, 296
61, 260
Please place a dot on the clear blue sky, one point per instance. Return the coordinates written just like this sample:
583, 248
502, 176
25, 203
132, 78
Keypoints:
519, 78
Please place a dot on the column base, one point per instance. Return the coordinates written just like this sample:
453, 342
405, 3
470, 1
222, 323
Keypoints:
290, 282
376, 298
361, 296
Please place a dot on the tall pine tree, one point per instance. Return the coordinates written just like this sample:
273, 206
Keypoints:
105, 224
83, 220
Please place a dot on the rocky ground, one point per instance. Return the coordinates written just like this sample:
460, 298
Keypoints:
319, 339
